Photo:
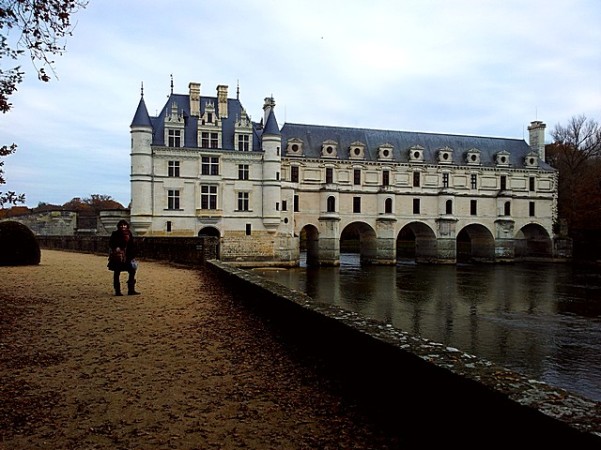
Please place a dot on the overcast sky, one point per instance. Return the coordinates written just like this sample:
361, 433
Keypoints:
476, 67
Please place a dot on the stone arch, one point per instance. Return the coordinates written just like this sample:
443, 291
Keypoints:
309, 242
417, 241
475, 243
359, 237
533, 241
209, 231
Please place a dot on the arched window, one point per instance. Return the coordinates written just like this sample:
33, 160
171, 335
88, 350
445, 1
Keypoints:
449, 207
388, 206
331, 204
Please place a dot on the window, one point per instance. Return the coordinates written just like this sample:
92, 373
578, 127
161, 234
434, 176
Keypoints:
416, 206
168, 226
296, 209
507, 209
277, 175
242, 201
385, 178
474, 181
209, 140
531, 209
210, 165
248, 229
473, 207
214, 140
503, 182
531, 183
173, 199
284, 205
357, 176
416, 179
208, 197
331, 206
356, 204
174, 138
445, 180
243, 171
204, 139
329, 175
173, 168
243, 142
294, 174
388, 206
449, 207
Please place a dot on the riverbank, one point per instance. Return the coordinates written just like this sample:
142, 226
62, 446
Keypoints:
181, 366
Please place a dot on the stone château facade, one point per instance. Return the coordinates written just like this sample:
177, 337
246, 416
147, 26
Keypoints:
202, 166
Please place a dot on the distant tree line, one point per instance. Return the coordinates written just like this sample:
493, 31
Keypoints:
89, 206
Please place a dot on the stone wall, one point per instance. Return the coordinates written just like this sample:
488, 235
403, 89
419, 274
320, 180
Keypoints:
190, 251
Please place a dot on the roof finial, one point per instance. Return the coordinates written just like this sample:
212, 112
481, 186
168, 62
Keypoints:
171, 83
237, 89
142, 89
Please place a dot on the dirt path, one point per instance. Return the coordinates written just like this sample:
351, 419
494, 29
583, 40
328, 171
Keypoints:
182, 366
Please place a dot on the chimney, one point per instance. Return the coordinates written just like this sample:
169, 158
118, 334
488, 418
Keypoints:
194, 99
537, 138
222, 101
267, 107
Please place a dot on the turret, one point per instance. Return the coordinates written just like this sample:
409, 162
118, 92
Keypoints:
141, 168
271, 141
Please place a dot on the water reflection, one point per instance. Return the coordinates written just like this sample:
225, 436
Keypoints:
543, 320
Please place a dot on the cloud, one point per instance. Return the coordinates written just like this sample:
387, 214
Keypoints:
467, 67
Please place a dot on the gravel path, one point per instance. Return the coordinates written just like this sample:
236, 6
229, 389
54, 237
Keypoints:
182, 366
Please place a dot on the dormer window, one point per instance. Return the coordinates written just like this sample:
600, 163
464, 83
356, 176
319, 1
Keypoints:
209, 117
385, 152
174, 127
294, 147
416, 153
174, 138
445, 155
243, 130
502, 158
531, 160
329, 149
357, 150
473, 157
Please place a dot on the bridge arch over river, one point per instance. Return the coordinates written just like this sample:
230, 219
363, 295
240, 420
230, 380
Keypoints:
386, 241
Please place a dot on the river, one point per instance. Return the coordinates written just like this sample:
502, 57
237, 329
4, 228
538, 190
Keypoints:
540, 319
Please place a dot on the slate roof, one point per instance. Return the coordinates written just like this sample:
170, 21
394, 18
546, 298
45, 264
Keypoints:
314, 135
190, 123
141, 117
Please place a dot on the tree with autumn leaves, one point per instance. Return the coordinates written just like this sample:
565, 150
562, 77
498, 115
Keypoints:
36, 29
576, 154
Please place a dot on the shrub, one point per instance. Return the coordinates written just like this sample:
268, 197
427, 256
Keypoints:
18, 245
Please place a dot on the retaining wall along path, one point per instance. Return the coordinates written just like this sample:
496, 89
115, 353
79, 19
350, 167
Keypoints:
403, 378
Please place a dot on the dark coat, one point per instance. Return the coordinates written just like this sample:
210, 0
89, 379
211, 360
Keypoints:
117, 240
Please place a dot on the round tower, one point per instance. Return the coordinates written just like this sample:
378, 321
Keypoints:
141, 169
271, 140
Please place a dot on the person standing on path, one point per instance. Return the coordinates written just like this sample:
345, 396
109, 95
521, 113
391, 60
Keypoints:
122, 243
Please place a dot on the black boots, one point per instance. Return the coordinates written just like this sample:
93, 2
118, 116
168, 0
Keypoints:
130, 288
131, 284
